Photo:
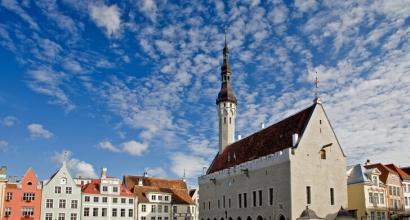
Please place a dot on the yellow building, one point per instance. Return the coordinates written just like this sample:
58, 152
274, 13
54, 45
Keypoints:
366, 193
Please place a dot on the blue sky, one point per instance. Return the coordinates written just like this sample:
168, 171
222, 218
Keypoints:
131, 85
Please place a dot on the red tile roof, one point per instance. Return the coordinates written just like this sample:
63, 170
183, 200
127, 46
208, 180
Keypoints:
406, 169
264, 142
403, 175
177, 188
94, 188
384, 170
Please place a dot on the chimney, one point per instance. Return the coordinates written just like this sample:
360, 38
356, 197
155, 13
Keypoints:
239, 137
295, 139
104, 172
140, 182
367, 162
262, 125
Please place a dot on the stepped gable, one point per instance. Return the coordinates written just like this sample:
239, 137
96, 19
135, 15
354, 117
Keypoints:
175, 187
264, 142
94, 188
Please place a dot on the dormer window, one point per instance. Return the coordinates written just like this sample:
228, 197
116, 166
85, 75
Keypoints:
153, 197
323, 154
374, 180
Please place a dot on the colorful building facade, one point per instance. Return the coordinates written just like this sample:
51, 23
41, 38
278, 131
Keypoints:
107, 198
61, 197
366, 193
22, 199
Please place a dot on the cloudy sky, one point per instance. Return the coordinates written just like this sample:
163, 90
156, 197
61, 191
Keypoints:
131, 85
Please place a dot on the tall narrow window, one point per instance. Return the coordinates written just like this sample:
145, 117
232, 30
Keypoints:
245, 200
271, 196
308, 199
332, 196
223, 202
323, 154
260, 197
219, 204
240, 200
254, 198
230, 120
229, 203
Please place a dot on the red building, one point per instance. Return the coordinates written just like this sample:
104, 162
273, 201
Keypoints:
22, 199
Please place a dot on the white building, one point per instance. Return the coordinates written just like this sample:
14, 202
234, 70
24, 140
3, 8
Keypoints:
405, 182
107, 198
3, 183
276, 172
194, 193
61, 197
161, 199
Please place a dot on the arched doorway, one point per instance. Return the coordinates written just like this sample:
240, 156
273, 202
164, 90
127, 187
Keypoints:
248, 218
281, 217
239, 218
259, 218
222, 219
230, 218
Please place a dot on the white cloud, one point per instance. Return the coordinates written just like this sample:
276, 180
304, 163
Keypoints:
47, 82
149, 8
8, 121
107, 145
3, 145
157, 172
76, 167
108, 17
12, 5
193, 166
134, 148
38, 131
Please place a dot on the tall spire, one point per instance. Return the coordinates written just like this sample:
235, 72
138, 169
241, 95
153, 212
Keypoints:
226, 93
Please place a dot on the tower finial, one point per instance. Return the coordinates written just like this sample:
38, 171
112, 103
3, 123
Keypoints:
317, 98
226, 30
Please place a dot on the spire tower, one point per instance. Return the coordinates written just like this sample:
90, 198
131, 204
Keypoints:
226, 103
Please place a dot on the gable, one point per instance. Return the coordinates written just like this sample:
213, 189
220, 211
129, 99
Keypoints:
320, 135
61, 173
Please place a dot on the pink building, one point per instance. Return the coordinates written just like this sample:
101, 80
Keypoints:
22, 199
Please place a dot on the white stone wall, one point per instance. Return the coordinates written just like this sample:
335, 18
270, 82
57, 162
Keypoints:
226, 115
270, 172
182, 212
62, 179
308, 169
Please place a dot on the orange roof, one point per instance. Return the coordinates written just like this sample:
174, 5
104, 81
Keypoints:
94, 188
403, 175
406, 169
177, 188
384, 170
264, 142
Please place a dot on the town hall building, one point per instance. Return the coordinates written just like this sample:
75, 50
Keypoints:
276, 173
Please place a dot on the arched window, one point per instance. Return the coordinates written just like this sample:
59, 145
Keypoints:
239, 218
230, 120
323, 154
29, 183
248, 218
259, 218
224, 120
